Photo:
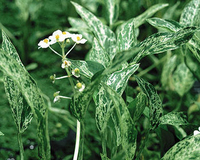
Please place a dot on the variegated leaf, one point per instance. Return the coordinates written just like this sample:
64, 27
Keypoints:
161, 42
104, 35
155, 104
183, 79
186, 149
112, 10
98, 54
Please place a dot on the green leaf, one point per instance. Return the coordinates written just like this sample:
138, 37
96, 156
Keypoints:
78, 25
190, 14
148, 13
1, 134
104, 35
184, 150
25, 86
169, 14
80, 101
87, 68
112, 10
138, 105
174, 118
161, 42
155, 104
168, 68
98, 54
125, 129
183, 79
126, 37
168, 25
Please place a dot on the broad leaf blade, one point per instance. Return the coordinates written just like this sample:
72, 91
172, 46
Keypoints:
161, 42
183, 79
168, 25
112, 10
174, 118
126, 37
104, 35
191, 14
148, 13
155, 104
185, 149
98, 54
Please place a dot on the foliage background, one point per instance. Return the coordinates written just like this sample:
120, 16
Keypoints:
27, 22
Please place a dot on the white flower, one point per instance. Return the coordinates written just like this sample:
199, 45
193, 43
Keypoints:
76, 72
66, 64
44, 43
67, 34
197, 132
56, 96
57, 36
80, 86
78, 38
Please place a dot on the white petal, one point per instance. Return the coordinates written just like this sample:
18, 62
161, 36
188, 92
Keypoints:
196, 132
82, 41
199, 128
56, 99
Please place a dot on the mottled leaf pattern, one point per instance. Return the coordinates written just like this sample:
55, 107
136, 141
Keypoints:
194, 46
183, 79
174, 118
126, 38
112, 10
185, 149
148, 13
161, 42
87, 68
191, 14
155, 104
98, 54
105, 36
168, 25
167, 71
20, 83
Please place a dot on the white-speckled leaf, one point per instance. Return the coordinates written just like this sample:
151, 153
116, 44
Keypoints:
112, 10
126, 38
123, 124
155, 103
191, 14
183, 79
168, 68
104, 35
148, 13
98, 54
161, 42
168, 25
20, 83
174, 118
78, 25
87, 68
184, 150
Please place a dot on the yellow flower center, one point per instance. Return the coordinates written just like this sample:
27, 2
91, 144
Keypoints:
76, 70
78, 38
78, 85
45, 40
64, 33
66, 63
57, 37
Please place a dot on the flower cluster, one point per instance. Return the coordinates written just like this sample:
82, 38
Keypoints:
59, 36
63, 38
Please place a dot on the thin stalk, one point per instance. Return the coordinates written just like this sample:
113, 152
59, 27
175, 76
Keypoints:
21, 148
55, 51
70, 80
70, 50
78, 130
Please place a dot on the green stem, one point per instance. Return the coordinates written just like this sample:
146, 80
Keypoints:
78, 130
21, 148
